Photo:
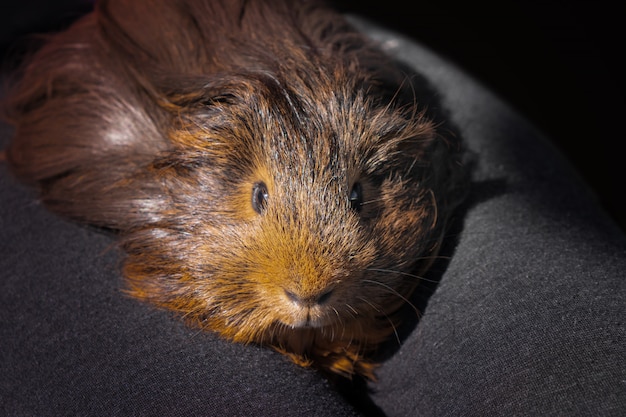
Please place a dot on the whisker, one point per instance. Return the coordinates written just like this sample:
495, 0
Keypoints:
406, 274
356, 313
402, 297
340, 322
395, 331
202, 328
393, 326
372, 201
329, 329
274, 330
365, 300
435, 206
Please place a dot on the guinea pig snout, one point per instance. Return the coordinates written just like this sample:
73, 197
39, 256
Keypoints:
307, 308
310, 299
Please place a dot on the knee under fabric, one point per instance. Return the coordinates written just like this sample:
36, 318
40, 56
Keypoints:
526, 318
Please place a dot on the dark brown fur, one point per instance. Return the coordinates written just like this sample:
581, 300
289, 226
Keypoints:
157, 117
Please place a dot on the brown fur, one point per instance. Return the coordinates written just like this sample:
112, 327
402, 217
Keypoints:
157, 117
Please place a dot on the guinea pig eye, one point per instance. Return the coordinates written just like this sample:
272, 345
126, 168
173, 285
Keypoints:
356, 197
259, 197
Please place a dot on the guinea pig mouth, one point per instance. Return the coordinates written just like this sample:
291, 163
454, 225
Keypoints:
308, 324
306, 318
299, 312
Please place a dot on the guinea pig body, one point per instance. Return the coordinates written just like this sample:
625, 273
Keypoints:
269, 170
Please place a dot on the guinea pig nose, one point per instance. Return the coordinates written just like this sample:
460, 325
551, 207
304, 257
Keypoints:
320, 298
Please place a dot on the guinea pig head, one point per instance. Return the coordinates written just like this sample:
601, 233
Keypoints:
288, 213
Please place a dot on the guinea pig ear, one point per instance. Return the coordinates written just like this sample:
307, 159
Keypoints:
181, 93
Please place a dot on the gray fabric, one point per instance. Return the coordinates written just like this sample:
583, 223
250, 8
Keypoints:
527, 318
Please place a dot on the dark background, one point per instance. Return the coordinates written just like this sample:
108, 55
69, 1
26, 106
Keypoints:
558, 62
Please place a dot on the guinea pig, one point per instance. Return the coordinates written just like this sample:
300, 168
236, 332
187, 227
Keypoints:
269, 171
